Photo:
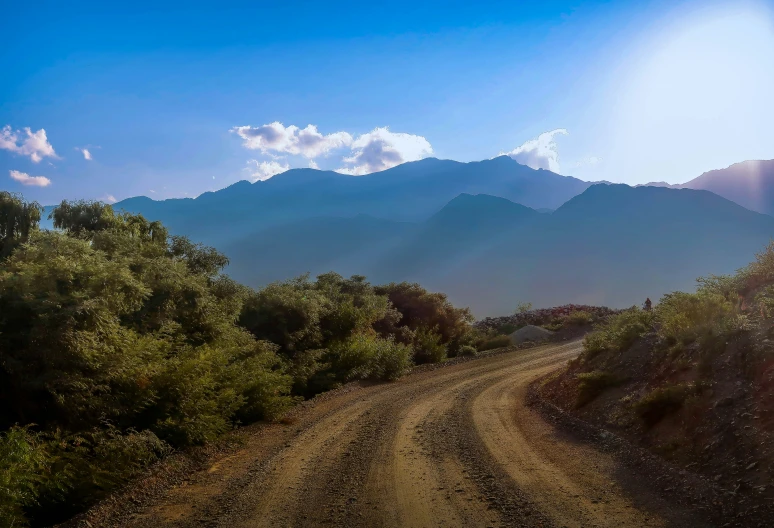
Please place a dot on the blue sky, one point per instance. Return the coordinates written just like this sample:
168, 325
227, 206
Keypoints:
174, 99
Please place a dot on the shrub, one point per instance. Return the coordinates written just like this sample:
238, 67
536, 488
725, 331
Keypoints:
654, 406
495, 342
88, 465
369, 357
579, 318
25, 464
685, 317
618, 332
555, 325
391, 361
591, 385
468, 350
428, 347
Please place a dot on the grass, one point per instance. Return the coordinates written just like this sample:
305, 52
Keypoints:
592, 384
663, 401
495, 342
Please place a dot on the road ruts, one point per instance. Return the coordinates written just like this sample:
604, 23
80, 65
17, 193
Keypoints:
455, 446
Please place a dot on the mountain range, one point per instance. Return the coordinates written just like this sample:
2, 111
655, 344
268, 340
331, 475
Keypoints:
749, 183
490, 234
411, 192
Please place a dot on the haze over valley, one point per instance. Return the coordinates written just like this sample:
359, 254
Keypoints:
486, 232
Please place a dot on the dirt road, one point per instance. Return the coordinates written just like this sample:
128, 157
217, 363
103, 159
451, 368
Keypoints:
455, 446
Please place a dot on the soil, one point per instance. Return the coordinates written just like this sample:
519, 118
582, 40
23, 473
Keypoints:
452, 446
714, 452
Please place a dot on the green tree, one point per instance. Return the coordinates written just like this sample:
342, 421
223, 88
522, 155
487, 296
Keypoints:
18, 220
425, 311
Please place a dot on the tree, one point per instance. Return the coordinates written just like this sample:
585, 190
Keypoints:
18, 220
421, 312
83, 217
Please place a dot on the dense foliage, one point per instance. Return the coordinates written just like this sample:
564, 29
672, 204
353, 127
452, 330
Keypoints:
119, 343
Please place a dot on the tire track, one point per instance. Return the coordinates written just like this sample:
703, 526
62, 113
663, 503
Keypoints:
455, 446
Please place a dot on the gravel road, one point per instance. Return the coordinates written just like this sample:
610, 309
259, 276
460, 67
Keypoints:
453, 446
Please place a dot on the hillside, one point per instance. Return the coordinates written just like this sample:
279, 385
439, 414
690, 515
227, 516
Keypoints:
692, 381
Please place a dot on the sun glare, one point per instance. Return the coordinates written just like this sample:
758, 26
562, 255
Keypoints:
700, 89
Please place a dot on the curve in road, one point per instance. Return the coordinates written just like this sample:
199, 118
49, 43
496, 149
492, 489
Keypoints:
454, 446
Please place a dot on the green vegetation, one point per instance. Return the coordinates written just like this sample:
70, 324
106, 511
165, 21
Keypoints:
592, 384
494, 342
617, 333
686, 317
578, 318
468, 350
662, 401
119, 343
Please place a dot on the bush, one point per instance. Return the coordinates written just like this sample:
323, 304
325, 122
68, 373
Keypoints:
428, 347
579, 318
685, 317
369, 357
618, 332
662, 401
555, 325
591, 385
495, 342
25, 466
467, 351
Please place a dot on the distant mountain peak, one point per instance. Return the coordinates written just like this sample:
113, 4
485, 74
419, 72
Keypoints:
748, 183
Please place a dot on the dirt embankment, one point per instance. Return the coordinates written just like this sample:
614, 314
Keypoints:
454, 446
705, 432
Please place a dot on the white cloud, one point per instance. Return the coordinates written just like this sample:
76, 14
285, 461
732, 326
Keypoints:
313, 165
263, 170
108, 198
35, 144
277, 138
26, 179
539, 153
381, 149
86, 154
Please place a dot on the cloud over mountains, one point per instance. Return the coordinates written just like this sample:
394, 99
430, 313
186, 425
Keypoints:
374, 151
539, 153
381, 149
263, 170
276, 138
